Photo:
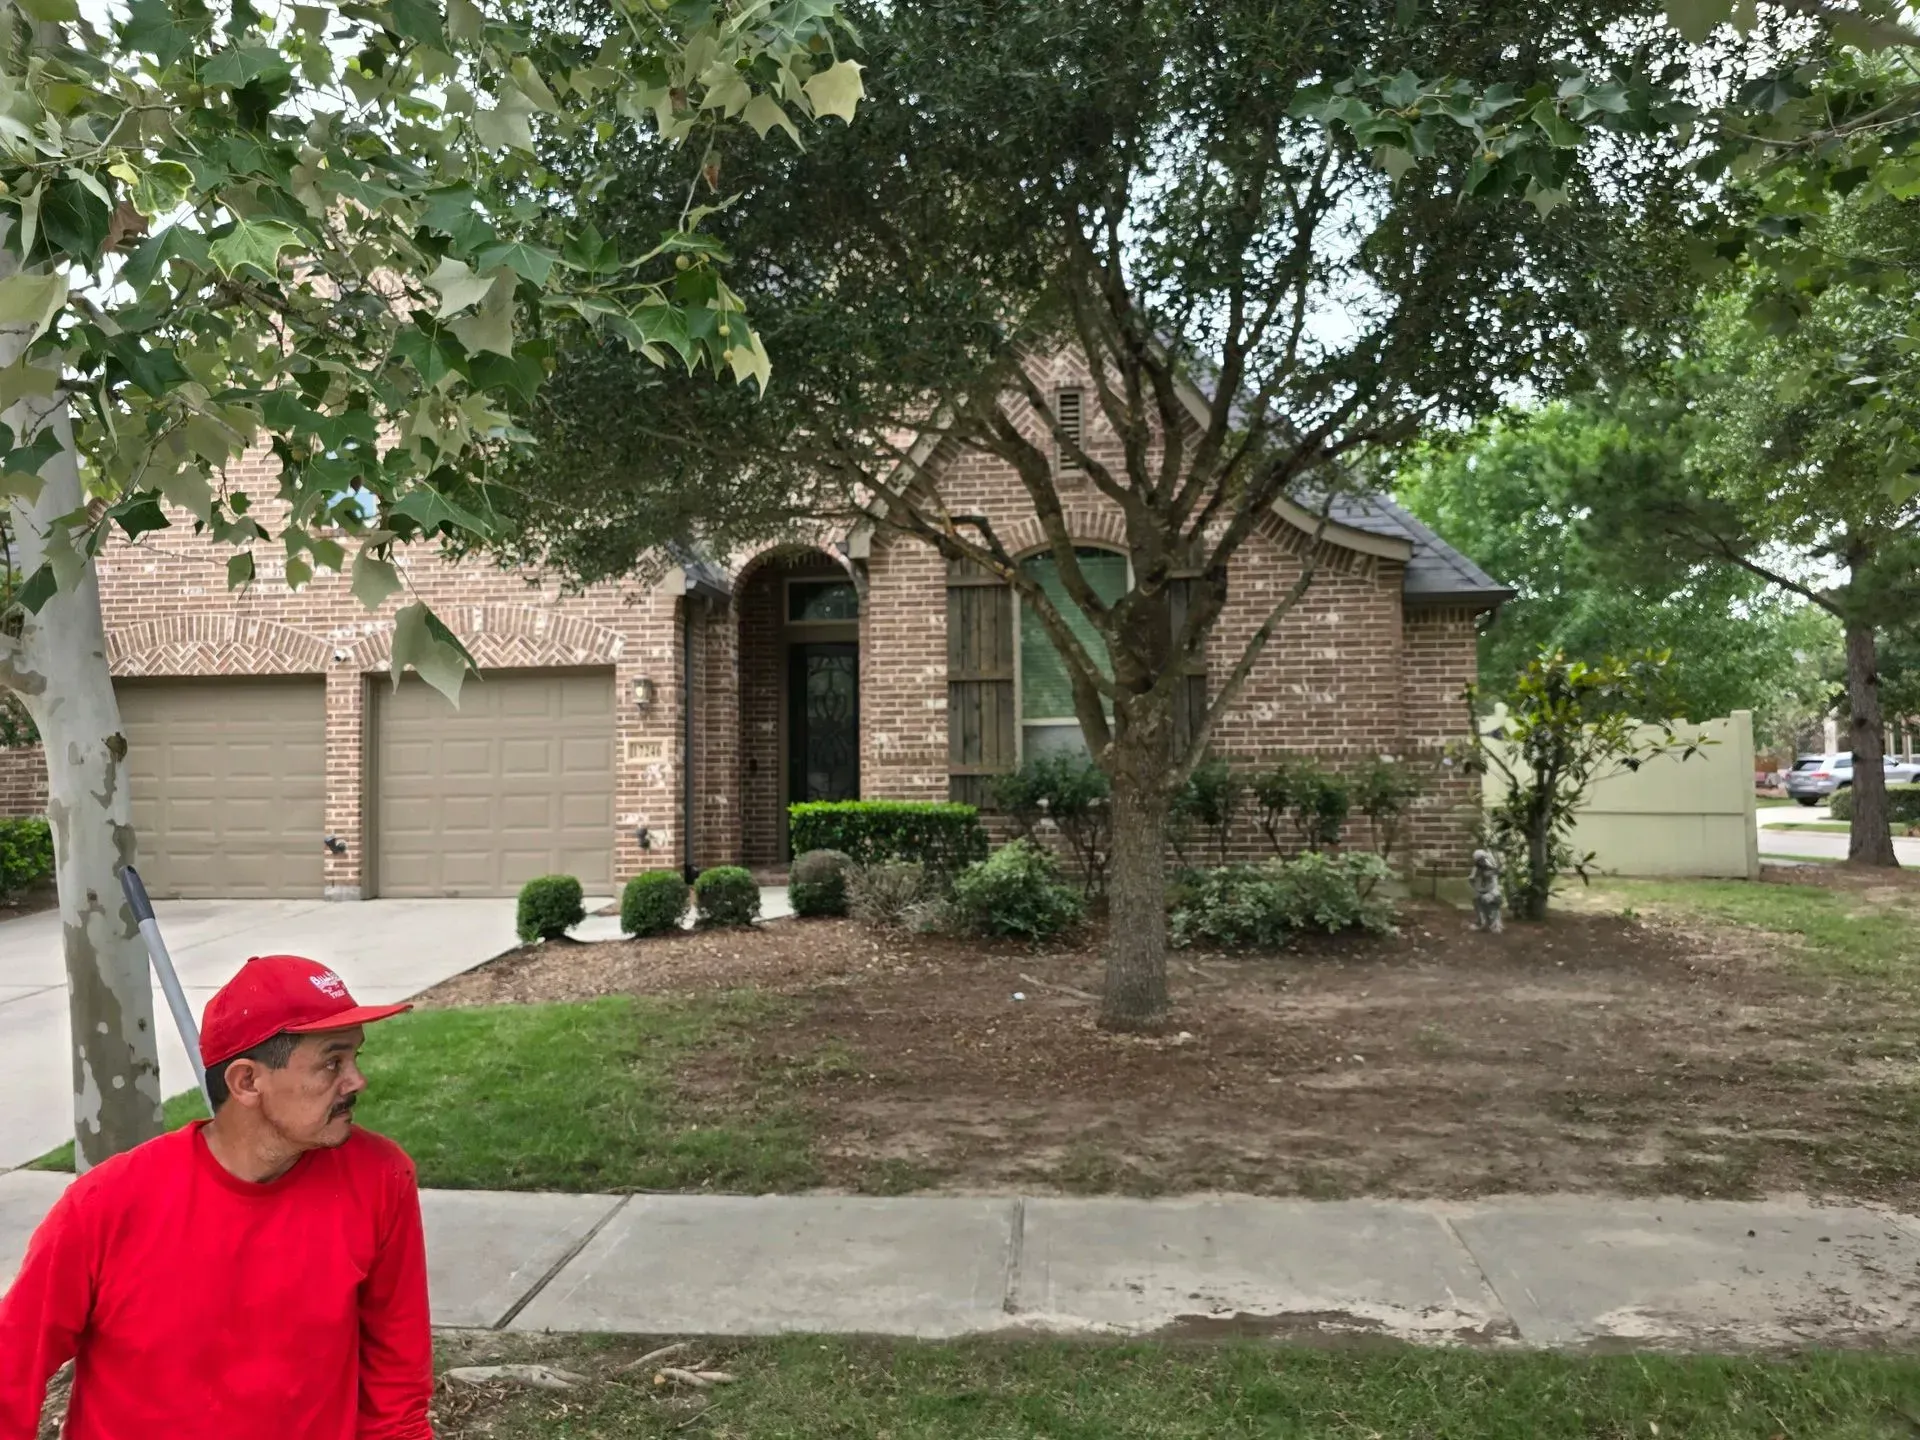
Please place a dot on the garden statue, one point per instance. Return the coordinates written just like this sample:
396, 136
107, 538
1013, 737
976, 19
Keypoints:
1485, 883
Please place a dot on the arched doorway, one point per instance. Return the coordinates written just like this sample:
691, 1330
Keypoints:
799, 614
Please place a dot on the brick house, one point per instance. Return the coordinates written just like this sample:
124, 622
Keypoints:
660, 724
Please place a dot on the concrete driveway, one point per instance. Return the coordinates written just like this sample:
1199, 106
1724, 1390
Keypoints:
385, 950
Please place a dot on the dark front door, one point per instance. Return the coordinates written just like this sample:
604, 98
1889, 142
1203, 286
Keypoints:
823, 721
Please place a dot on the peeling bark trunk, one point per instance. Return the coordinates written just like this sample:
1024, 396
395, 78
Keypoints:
57, 664
1869, 840
1135, 995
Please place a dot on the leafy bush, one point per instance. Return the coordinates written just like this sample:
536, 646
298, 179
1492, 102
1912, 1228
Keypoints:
1258, 907
26, 854
1302, 796
653, 903
1383, 791
817, 883
1072, 792
1903, 805
549, 907
888, 893
727, 895
1208, 802
1016, 891
944, 838
16, 725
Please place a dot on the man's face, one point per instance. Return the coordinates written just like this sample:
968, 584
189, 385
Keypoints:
310, 1102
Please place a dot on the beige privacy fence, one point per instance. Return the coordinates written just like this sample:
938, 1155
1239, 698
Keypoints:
1671, 816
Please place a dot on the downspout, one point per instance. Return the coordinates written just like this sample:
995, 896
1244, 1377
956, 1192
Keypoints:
689, 868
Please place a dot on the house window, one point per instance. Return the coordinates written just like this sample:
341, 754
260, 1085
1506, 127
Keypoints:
815, 602
1070, 413
1048, 725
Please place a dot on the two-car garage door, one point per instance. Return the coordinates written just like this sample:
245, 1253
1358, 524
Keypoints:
229, 784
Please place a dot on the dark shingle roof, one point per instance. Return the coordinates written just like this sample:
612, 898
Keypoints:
1436, 572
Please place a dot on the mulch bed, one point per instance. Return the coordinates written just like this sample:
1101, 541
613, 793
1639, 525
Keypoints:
1593, 1052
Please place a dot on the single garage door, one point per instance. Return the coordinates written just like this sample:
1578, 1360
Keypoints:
515, 783
229, 785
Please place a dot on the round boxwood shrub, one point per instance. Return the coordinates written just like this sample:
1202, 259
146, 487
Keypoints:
817, 883
727, 895
653, 903
1016, 891
549, 907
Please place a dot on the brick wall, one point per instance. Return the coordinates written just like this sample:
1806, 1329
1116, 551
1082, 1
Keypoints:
23, 782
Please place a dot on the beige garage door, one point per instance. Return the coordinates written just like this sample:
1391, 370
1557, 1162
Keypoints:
517, 782
229, 785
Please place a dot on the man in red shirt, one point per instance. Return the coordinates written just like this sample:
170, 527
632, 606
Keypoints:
260, 1274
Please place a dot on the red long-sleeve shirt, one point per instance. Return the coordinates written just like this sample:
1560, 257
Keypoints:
198, 1306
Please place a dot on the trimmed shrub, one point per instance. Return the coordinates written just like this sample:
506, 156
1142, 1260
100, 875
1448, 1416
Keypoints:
727, 895
817, 883
549, 907
1903, 805
888, 893
1314, 799
1383, 791
1016, 891
26, 854
1072, 792
1259, 907
1207, 803
653, 903
943, 838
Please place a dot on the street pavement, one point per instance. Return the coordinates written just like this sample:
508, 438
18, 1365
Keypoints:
386, 950
1777, 843
1555, 1271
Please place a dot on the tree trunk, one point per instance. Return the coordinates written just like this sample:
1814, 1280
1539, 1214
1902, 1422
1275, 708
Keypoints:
57, 663
1869, 839
1136, 986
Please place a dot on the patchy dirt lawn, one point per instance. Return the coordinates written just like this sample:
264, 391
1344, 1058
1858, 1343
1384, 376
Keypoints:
1600, 1051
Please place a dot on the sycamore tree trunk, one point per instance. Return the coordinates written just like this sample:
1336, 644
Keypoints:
56, 661
1869, 838
1139, 762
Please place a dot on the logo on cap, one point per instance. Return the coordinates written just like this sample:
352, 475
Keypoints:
329, 985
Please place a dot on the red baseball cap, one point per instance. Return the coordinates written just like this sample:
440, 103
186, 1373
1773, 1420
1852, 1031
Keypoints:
279, 993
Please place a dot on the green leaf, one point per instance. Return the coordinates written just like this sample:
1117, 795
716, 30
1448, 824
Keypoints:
239, 569
299, 572
505, 126
1564, 134
153, 28
40, 588
188, 488
465, 22
138, 513
50, 12
244, 64
458, 287
374, 579
490, 327
1695, 19
253, 243
422, 643
1394, 160
32, 299
432, 512
749, 361
763, 112
836, 90
529, 262
24, 378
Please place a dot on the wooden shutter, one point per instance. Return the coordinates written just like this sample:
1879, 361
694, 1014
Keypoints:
980, 720
1190, 701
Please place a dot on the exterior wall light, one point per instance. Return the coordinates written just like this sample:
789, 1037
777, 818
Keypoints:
643, 694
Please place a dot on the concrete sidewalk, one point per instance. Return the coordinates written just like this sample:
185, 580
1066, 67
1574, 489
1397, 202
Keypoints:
1553, 1271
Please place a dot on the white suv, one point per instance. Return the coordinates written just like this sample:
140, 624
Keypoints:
1816, 777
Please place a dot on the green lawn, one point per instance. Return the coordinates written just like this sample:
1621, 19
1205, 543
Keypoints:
1839, 928
564, 1097
803, 1389
1830, 827
1769, 802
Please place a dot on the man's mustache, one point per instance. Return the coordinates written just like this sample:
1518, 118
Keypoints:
345, 1107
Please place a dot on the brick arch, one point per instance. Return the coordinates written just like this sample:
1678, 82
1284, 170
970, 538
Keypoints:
505, 637
212, 643
1086, 525
1329, 554
787, 552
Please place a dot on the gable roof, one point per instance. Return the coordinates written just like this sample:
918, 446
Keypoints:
1436, 572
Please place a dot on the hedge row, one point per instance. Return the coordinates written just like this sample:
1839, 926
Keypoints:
945, 838
1903, 804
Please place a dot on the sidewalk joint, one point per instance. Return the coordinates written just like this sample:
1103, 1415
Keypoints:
1016, 1258
1502, 1310
573, 1253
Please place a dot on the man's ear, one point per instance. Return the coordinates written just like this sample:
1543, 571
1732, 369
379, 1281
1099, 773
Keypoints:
243, 1081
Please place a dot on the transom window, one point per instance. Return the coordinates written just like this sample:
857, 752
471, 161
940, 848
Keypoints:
814, 602
1048, 725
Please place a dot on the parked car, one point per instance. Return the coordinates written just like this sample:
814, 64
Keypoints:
1815, 777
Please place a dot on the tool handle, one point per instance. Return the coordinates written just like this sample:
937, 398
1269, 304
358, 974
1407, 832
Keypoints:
142, 908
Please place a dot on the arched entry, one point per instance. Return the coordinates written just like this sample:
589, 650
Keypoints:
799, 613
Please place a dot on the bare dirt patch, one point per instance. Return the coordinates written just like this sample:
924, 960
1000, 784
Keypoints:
1594, 1052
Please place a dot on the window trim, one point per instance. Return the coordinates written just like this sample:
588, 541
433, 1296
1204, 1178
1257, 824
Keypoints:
1020, 718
